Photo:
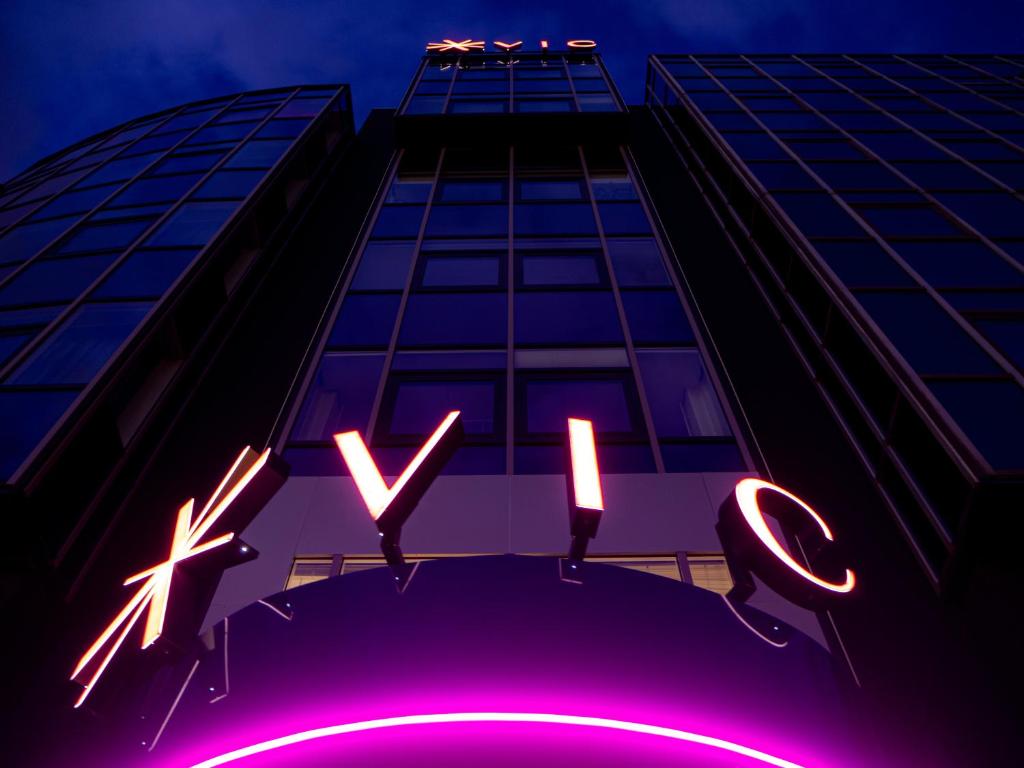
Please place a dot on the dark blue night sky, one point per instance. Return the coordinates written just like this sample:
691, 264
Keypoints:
71, 69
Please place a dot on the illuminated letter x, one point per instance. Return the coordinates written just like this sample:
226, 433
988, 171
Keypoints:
451, 45
153, 595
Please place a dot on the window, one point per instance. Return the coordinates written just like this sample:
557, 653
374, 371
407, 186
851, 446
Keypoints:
681, 397
543, 105
366, 321
560, 268
409, 190
54, 280
959, 264
215, 133
472, 190
607, 399
637, 262
981, 409
1008, 335
398, 221
624, 219
307, 570
477, 106
145, 274
908, 221
155, 190
925, 335
564, 219
455, 319
461, 270
468, 221
551, 189
709, 572
99, 237
817, 215
282, 129
23, 241
119, 170
27, 417
416, 403
258, 154
656, 317
81, 346
383, 266
570, 318
340, 397
862, 264
193, 224
613, 188
187, 163
229, 184
74, 202
857, 176
994, 215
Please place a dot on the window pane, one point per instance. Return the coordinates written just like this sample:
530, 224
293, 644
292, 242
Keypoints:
409, 191
119, 170
258, 154
27, 417
468, 221
566, 317
957, 263
470, 191
624, 219
818, 215
925, 335
612, 188
556, 269
656, 317
702, 457
74, 202
54, 280
863, 263
680, 394
23, 241
82, 345
145, 274
383, 266
607, 402
461, 271
419, 406
981, 409
567, 219
99, 237
1008, 335
340, 396
155, 190
551, 189
637, 262
446, 319
187, 163
229, 184
365, 321
398, 221
193, 224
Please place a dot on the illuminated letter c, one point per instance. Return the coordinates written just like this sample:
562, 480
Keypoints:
582, 44
746, 498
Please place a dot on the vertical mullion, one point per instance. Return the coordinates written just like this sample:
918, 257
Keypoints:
400, 314
691, 311
451, 88
620, 308
572, 85
510, 297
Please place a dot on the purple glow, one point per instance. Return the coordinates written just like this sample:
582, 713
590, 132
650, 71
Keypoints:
299, 737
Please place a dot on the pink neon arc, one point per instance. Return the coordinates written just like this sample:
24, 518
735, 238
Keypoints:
154, 594
746, 497
586, 477
375, 492
498, 717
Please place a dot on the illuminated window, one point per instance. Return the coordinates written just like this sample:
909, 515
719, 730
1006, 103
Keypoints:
306, 570
666, 566
709, 571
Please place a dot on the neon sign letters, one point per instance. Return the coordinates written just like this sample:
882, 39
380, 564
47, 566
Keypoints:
752, 547
198, 551
448, 45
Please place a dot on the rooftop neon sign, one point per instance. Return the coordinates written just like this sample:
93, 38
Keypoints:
469, 45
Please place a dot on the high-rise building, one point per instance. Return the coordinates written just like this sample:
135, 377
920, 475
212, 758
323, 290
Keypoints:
677, 433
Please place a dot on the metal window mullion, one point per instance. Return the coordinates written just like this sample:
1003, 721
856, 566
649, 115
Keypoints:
678, 278
621, 309
952, 112
959, 85
400, 314
892, 360
126, 251
572, 85
318, 341
510, 333
451, 89
980, 340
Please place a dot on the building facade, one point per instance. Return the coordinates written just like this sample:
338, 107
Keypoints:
795, 271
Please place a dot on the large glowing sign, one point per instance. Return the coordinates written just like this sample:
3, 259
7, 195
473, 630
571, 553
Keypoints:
448, 45
752, 547
199, 550
712, 743
586, 499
